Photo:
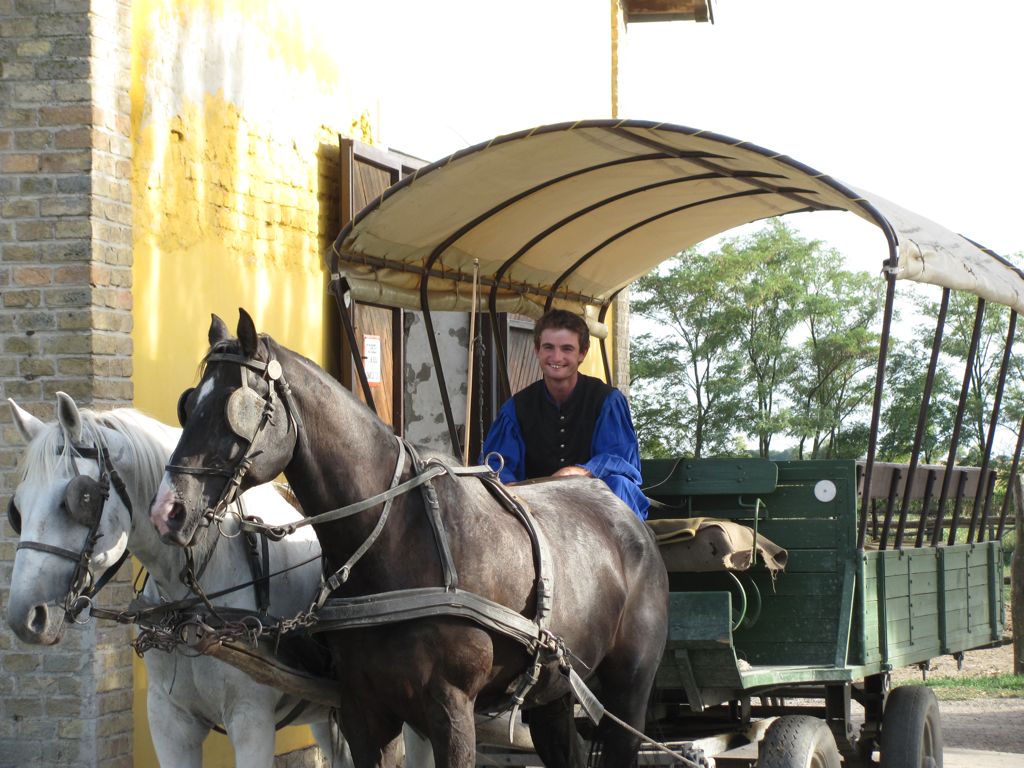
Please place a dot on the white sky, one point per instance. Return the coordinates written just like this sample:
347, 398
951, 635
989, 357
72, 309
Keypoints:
918, 101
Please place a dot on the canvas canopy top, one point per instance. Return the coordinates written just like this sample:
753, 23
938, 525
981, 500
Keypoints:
567, 215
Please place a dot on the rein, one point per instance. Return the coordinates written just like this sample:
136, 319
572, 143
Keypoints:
138, 615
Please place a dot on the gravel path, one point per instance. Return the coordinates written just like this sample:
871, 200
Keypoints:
991, 724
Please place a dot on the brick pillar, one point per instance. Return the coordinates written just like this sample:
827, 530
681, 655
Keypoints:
65, 324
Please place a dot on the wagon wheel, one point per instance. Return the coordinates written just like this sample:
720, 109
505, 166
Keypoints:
798, 741
911, 729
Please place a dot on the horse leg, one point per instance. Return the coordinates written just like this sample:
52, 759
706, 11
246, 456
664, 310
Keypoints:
627, 676
332, 744
372, 736
251, 730
177, 735
553, 730
451, 726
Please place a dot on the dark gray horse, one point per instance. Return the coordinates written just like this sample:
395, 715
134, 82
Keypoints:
265, 407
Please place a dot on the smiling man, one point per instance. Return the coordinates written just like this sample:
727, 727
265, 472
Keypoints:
568, 423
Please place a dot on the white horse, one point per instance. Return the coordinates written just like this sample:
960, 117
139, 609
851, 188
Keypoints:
187, 693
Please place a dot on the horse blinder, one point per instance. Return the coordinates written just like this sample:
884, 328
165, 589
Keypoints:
245, 412
84, 499
182, 413
14, 516
247, 408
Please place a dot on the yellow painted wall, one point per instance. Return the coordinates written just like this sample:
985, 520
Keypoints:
236, 110
236, 107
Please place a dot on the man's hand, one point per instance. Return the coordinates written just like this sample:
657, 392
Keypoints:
573, 470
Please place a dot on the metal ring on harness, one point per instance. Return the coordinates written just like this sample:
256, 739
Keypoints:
500, 460
229, 513
77, 607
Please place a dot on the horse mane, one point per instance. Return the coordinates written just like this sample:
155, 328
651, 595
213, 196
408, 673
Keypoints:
149, 442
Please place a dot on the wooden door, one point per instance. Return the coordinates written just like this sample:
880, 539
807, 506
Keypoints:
523, 368
516, 334
365, 173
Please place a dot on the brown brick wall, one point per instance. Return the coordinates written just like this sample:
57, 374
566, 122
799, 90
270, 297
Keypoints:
65, 323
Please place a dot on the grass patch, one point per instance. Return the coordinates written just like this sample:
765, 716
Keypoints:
982, 687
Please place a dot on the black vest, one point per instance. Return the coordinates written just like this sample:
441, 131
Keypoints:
559, 437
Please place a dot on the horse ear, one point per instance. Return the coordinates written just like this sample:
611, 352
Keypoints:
69, 416
247, 333
28, 425
218, 330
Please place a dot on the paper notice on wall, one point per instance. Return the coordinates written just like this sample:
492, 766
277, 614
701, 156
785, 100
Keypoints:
371, 358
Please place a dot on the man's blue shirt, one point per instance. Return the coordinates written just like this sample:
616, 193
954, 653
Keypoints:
614, 456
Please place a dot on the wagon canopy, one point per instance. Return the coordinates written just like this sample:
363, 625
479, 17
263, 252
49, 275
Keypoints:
569, 214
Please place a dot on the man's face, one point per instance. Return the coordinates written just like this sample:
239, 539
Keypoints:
559, 354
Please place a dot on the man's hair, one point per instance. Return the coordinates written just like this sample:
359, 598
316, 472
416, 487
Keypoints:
559, 319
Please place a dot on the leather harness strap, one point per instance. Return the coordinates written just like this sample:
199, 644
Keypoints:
402, 605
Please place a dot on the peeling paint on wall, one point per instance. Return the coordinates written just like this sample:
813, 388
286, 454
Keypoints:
235, 106
425, 422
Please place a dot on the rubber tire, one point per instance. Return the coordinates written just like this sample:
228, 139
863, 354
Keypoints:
798, 741
911, 729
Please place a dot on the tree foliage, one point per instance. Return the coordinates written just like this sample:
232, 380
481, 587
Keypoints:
767, 332
770, 335
834, 381
688, 303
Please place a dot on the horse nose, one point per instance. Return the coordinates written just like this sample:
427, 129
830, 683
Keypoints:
33, 625
175, 521
166, 511
38, 618
176, 516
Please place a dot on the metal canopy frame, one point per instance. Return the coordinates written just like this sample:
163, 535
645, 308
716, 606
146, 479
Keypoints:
569, 214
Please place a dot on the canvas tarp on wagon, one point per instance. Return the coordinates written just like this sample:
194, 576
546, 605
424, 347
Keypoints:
569, 214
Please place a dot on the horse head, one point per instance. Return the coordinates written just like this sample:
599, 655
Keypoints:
238, 431
72, 515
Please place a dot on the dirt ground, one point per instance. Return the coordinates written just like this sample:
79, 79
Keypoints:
989, 724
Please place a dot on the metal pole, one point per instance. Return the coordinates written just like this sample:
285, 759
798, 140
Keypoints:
876, 408
922, 423
958, 422
981, 504
1009, 484
469, 365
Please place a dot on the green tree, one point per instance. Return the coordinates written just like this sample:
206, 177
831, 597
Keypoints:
767, 335
767, 279
834, 381
659, 400
984, 371
905, 385
687, 299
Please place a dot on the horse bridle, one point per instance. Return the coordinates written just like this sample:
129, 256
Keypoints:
84, 501
247, 413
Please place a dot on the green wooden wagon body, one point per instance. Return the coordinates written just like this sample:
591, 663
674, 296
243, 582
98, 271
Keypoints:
833, 623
